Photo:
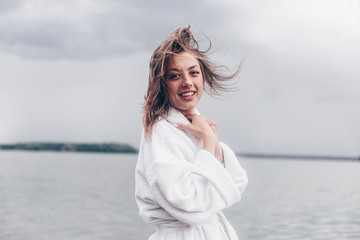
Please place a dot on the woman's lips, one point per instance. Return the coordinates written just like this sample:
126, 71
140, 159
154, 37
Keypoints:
187, 94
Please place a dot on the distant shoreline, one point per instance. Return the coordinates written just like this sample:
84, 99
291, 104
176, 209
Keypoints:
126, 148
287, 156
71, 147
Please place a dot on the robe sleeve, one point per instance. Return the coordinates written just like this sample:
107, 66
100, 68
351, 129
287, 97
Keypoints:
190, 187
234, 168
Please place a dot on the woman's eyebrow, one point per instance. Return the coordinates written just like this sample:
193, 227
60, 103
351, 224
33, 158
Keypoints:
175, 69
192, 67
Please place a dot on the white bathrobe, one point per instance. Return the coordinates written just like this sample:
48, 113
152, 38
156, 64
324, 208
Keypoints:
182, 188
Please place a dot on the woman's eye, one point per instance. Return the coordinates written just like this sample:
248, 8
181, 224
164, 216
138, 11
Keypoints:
195, 72
173, 76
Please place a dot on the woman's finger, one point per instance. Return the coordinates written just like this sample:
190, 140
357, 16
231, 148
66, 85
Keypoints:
182, 126
211, 123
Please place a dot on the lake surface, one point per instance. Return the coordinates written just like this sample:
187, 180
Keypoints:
70, 196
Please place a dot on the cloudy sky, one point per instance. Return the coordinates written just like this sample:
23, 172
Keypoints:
77, 70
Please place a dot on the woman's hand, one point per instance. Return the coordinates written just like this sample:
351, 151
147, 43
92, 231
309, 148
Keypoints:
218, 150
205, 129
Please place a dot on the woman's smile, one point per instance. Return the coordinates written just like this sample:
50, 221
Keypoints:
187, 94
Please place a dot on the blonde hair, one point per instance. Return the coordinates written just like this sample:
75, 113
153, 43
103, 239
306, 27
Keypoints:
157, 103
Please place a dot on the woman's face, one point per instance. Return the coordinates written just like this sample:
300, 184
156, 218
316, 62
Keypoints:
185, 83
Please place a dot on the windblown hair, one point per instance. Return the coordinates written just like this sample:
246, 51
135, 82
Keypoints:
157, 103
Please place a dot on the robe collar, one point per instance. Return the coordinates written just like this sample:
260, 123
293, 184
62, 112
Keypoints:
175, 116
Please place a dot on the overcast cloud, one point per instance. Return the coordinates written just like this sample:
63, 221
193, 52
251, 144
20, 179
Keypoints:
91, 29
77, 70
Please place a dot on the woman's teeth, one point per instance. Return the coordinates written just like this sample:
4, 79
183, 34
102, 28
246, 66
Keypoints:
188, 94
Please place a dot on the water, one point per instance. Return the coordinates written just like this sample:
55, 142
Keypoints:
72, 196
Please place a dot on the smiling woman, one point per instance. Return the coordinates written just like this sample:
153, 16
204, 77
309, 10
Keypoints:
184, 175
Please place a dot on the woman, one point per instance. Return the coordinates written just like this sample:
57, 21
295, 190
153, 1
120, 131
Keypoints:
184, 175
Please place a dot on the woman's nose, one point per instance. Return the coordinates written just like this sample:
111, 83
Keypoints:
187, 81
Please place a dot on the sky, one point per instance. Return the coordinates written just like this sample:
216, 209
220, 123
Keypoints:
76, 70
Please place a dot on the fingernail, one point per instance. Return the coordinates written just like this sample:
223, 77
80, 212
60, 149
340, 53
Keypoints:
176, 125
